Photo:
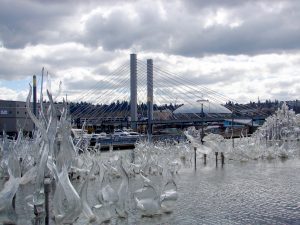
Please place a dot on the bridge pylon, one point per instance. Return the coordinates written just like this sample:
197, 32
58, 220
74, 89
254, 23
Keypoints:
133, 91
150, 96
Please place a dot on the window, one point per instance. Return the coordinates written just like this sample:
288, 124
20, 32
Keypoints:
3, 112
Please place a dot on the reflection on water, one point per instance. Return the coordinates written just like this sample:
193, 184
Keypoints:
251, 193
256, 192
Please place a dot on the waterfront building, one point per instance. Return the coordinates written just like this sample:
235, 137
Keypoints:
14, 116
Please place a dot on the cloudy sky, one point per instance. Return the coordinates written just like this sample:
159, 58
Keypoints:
241, 49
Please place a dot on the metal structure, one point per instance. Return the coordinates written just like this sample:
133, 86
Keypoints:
133, 91
150, 95
133, 104
202, 116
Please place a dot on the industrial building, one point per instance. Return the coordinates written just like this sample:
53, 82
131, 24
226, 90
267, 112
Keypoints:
14, 116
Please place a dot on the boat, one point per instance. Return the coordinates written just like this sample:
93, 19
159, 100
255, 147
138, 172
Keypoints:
119, 139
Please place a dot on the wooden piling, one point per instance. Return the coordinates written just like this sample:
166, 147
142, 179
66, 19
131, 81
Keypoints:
216, 153
14, 202
195, 157
222, 158
47, 188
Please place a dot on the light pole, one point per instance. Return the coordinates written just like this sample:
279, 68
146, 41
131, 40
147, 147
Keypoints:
202, 101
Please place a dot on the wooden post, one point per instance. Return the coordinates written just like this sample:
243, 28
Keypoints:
204, 157
222, 158
47, 183
195, 157
216, 153
39, 215
14, 202
232, 121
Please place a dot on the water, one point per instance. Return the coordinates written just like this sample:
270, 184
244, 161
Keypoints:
241, 193
255, 192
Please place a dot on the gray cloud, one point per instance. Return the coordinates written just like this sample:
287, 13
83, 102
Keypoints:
88, 84
15, 67
282, 84
20, 63
259, 32
28, 22
119, 31
200, 4
87, 37
180, 31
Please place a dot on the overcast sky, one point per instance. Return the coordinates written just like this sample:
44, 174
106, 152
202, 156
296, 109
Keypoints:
241, 49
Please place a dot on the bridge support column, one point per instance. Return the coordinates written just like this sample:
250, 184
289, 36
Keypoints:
133, 91
149, 97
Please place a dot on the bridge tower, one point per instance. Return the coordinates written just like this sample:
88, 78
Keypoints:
133, 91
150, 96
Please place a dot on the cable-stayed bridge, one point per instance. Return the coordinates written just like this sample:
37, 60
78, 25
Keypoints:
141, 93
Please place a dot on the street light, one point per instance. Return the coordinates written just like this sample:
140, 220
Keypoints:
202, 101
